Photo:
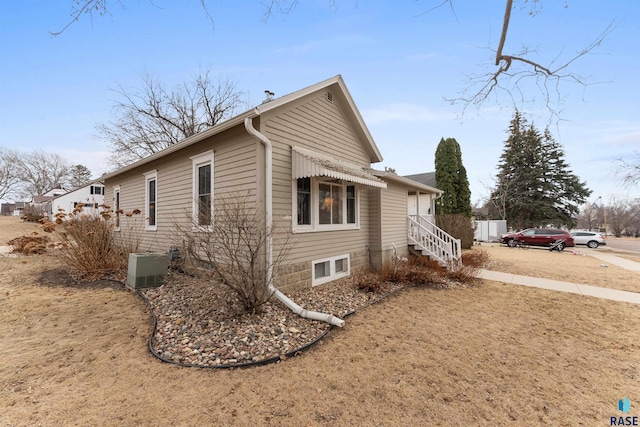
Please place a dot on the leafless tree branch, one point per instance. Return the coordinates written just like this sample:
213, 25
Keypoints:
40, 172
9, 173
516, 69
154, 118
101, 8
79, 8
629, 169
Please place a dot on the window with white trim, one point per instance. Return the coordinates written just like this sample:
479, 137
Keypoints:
150, 200
96, 189
116, 203
324, 204
203, 190
328, 269
304, 201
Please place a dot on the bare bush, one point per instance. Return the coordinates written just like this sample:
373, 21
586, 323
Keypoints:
233, 250
459, 226
472, 262
423, 271
367, 281
30, 245
34, 213
475, 258
417, 270
90, 249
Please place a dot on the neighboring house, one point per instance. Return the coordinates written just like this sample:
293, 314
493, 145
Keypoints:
90, 195
305, 160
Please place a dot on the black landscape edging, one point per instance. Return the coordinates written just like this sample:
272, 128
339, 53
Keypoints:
267, 361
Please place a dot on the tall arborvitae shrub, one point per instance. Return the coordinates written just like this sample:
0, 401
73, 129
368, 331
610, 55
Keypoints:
453, 209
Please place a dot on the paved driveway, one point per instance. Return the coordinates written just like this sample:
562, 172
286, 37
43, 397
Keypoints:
621, 244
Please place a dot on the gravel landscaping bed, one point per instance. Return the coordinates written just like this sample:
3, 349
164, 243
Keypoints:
198, 324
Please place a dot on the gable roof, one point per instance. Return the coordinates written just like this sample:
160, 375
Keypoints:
41, 199
339, 90
427, 178
82, 187
410, 183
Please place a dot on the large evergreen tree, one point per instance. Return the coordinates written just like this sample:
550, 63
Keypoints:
535, 185
451, 177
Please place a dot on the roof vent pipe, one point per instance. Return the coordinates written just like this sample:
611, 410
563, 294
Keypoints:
268, 96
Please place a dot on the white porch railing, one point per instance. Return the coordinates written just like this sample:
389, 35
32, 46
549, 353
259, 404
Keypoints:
428, 237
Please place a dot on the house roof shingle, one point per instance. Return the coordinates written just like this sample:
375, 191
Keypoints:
427, 178
335, 82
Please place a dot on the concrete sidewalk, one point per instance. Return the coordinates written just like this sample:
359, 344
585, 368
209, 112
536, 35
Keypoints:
627, 264
555, 285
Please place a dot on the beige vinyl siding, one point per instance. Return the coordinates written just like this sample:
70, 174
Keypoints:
319, 125
375, 219
394, 216
234, 171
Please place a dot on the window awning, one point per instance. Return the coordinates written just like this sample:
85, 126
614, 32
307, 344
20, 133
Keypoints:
307, 163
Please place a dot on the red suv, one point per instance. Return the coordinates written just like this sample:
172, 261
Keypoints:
539, 237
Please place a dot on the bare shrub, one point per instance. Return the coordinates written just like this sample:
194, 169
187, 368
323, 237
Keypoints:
423, 271
89, 246
233, 250
367, 281
459, 226
417, 270
472, 262
392, 272
30, 245
426, 262
464, 275
33, 213
423, 276
475, 258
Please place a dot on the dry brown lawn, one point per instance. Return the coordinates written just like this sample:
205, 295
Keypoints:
492, 354
11, 227
568, 266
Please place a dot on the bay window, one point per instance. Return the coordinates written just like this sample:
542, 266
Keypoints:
325, 204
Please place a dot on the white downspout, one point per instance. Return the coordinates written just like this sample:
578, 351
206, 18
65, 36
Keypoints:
268, 172
433, 206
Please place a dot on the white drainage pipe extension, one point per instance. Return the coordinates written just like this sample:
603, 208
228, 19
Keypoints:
314, 315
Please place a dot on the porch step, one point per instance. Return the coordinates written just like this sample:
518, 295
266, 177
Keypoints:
414, 249
427, 239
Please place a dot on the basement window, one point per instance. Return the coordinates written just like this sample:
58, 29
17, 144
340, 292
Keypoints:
328, 269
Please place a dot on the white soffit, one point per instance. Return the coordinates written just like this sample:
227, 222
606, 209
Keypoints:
307, 163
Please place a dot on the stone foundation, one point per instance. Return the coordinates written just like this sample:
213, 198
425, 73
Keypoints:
292, 277
359, 261
381, 257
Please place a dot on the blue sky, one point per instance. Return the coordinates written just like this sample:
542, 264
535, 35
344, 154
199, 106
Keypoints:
398, 62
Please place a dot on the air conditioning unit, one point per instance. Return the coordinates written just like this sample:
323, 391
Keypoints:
147, 270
